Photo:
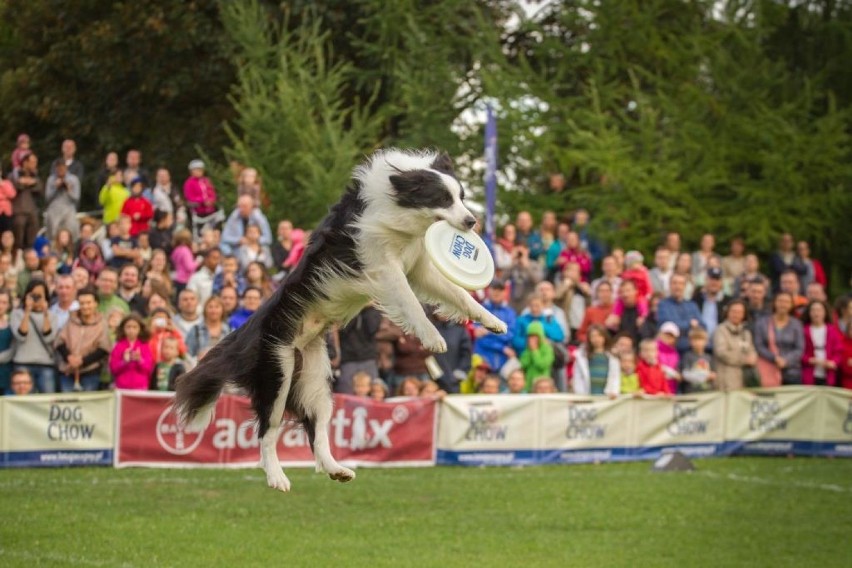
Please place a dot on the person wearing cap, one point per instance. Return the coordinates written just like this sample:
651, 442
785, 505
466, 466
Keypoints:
678, 309
478, 371
667, 353
711, 301
138, 208
198, 190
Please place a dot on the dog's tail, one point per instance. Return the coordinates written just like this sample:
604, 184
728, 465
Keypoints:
196, 392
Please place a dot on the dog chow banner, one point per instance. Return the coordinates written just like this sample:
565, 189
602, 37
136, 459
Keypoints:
835, 438
489, 430
49, 430
691, 424
585, 429
778, 421
362, 432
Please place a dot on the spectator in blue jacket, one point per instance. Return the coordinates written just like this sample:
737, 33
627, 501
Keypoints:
234, 231
252, 298
684, 313
552, 329
495, 348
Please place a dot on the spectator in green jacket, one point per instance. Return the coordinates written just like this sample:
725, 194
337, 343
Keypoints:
537, 359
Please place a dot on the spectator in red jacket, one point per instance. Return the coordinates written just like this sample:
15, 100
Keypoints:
652, 379
846, 364
823, 353
574, 253
138, 208
815, 271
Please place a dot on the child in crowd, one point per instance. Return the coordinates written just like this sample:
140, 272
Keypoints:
410, 386
667, 354
652, 379
124, 244
378, 390
130, 361
629, 376
183, 259
697, 367
517, 382
431, 389
537, 359
162, 328
544, 385
635, 271
361, 384
169, 368
478, 371
137, 208
491, 385
143, 247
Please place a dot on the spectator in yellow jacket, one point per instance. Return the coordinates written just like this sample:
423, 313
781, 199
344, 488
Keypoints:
112, 197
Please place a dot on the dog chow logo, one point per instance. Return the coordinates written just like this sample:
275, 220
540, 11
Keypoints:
764, 416
686, 421
583, 425
463, 248
174, 438
484, 424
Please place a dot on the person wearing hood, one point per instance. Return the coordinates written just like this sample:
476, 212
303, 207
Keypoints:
83, 345
550, 325
92, 259
538, 357
138, 208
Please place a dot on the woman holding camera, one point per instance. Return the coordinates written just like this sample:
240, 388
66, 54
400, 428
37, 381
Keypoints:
34, 336
83, 345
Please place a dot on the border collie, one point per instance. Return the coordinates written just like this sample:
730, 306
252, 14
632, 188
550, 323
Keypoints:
369, 248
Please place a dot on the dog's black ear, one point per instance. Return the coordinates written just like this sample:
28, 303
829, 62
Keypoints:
406, 182
444, 164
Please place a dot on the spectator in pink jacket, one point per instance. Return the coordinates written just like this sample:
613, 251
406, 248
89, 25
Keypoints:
183, 259
574, 253
131, 362
823, 353
7, 194
198, 190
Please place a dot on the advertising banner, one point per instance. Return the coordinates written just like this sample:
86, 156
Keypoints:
362, 432
489, 430
578, 429
835, 435
778, 421
691, 424
57, 429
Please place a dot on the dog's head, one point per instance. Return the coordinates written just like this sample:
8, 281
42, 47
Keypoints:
434, 193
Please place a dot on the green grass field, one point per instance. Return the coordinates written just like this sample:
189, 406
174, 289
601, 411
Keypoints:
743, 512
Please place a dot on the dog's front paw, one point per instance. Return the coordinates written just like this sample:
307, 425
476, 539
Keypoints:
495, 325
435, 344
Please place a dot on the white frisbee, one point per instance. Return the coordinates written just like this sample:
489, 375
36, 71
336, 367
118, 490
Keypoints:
461, 256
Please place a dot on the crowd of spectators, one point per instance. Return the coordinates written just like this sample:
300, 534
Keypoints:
132, 295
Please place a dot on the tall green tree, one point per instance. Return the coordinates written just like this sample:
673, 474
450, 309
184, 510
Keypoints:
147, 74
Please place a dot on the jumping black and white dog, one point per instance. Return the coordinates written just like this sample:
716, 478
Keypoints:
369, 248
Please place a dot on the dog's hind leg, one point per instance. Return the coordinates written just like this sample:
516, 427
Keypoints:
313, 394
270, 417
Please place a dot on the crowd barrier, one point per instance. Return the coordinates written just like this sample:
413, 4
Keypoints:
130, 428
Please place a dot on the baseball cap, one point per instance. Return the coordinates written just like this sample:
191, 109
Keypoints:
671, 328
196, 164
497, 283
714, 272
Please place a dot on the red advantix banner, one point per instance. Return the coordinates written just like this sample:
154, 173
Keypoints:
362, 432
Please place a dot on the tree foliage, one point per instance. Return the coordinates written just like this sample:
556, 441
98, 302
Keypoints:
148, 74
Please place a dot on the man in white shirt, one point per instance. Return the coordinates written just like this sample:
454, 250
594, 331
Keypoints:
66, 301
201, 282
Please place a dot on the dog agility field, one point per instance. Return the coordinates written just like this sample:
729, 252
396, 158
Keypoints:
730, 512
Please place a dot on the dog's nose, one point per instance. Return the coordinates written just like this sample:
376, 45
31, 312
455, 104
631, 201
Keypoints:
470, 222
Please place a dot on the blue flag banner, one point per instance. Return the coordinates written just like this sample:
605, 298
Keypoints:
490, 173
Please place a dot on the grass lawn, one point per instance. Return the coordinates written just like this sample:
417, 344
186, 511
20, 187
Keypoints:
738, 511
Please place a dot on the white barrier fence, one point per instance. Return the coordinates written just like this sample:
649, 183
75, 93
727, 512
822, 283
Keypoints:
522, 430
65, 429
